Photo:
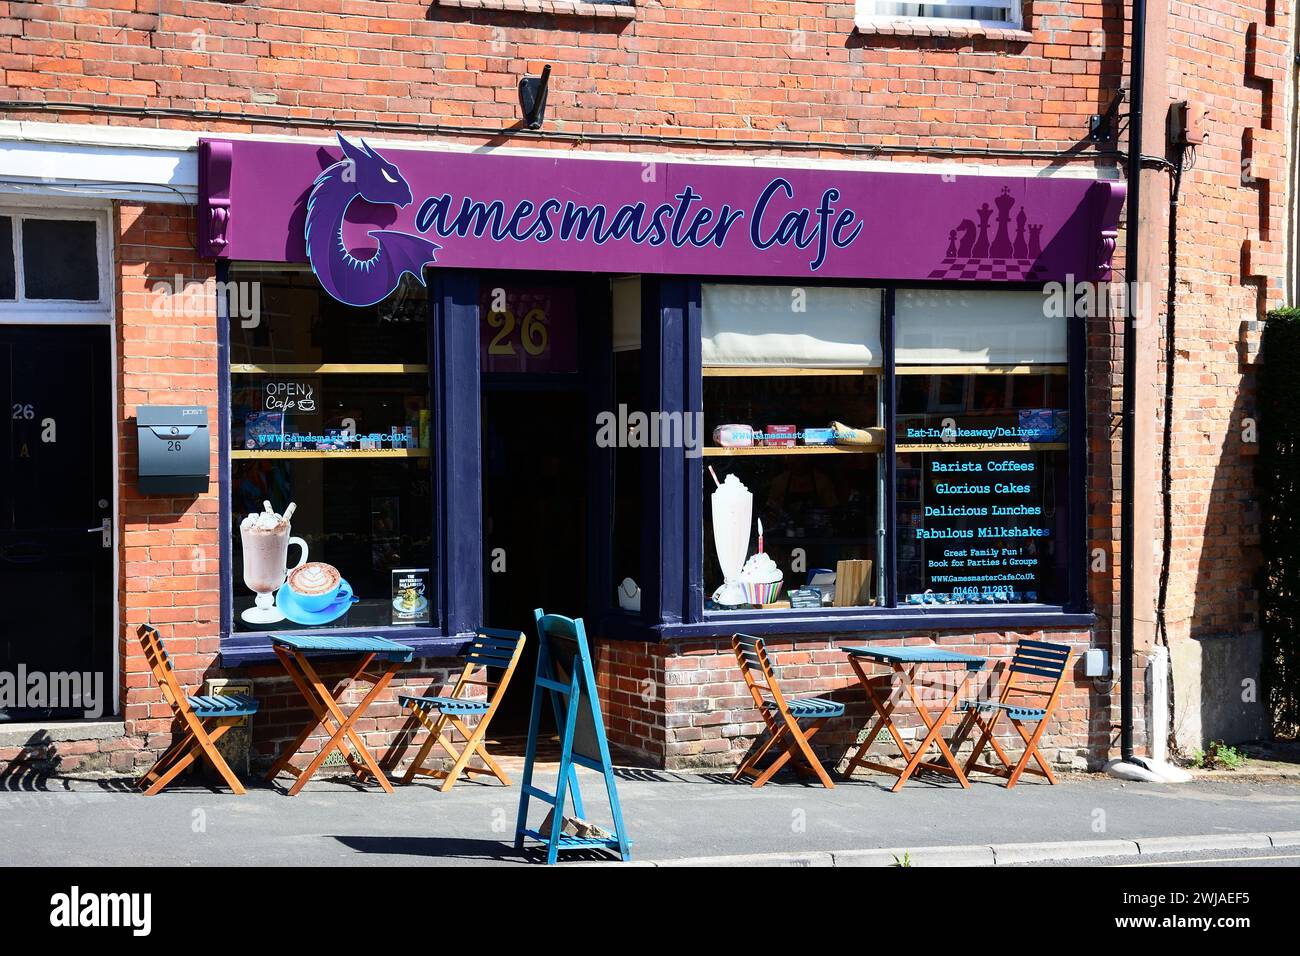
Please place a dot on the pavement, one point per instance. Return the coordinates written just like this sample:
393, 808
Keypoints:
672, 818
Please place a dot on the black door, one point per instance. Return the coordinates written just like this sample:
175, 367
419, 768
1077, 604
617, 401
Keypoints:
535, 518
56, 483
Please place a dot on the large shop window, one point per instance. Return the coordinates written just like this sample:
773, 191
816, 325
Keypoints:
795, 419
329, 424
792, 411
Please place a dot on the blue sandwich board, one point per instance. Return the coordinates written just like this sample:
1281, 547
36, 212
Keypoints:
565, 674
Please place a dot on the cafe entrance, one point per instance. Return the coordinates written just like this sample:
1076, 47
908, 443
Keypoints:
543, 354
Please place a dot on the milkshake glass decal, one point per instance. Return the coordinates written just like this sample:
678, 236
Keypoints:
733, 506
265, 538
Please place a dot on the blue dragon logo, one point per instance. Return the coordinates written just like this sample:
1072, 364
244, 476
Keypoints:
365, 174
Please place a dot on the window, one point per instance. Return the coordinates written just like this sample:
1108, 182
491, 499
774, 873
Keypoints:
795, 419
792, 509
53, 262
329, 414
872, 13
982, 426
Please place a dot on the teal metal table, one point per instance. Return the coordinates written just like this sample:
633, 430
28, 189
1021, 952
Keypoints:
294, 652
907, 664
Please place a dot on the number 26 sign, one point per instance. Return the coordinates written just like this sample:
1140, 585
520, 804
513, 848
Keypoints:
528, 329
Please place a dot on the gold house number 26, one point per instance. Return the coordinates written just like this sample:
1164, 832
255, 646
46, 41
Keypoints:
533, 333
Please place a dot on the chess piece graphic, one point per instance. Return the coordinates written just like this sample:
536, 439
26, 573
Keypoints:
981, 248
1001, 247
952, 244
967, 230
1035, 247
1018, 248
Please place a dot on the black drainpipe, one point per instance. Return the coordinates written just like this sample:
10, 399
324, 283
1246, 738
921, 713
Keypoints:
1128, 386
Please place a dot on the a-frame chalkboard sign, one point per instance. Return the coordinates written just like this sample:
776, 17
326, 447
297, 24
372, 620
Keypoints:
565, 674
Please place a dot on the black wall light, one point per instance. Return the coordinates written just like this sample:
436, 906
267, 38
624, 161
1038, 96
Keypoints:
532, 97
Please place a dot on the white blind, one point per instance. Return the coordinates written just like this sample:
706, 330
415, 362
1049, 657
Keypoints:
869, 13
802, 326
626, 294
953, 327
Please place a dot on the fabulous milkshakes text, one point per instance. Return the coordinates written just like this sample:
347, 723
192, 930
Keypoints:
684, 222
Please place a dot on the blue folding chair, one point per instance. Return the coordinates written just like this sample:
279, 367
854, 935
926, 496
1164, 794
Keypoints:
782, 715
490, 648
1036, 673
203, 720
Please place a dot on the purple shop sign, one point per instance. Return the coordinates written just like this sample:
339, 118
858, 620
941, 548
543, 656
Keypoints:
363, 216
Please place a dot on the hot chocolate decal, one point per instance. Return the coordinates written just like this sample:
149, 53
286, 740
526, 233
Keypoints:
309, 593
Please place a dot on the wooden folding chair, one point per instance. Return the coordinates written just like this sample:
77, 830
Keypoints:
191, 712
490, 648
1036, 672
781, 715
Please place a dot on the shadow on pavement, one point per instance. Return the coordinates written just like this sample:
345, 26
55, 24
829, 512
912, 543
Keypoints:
458, 848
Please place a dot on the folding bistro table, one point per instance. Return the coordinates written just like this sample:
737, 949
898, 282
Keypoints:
908, 663
295, 652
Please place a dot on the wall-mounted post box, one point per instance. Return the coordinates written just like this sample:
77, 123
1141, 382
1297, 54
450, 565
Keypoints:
174, 449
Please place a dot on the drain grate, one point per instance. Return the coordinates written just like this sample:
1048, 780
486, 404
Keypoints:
335, 759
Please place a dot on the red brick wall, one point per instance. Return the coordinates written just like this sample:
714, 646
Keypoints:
685, 706
1231, 268
1232, 224
751, 70
169, 561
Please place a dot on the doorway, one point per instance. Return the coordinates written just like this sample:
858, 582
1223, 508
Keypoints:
535, 472
57, 538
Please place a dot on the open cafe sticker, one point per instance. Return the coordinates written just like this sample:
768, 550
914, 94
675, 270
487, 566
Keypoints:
410, 595
289, 397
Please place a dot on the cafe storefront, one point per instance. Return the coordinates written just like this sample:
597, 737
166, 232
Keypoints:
823, 405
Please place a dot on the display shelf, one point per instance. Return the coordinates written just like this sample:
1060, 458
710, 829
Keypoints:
981, 370
316, 453
974, 447
796, 450
328, 368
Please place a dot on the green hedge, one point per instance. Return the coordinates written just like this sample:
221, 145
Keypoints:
1278, 478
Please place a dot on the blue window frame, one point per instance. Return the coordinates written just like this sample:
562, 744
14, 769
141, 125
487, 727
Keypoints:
449, 549
674, 605
672, 521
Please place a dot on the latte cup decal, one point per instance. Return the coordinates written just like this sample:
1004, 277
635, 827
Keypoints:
315, 585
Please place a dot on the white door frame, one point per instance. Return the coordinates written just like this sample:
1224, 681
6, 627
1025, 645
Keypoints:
100, 314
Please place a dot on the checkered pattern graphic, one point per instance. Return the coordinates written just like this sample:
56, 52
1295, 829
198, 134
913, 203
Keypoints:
1014, 270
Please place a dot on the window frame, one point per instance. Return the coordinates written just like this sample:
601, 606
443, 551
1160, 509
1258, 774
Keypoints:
866, 17
455, 497
21, 308
672, 529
